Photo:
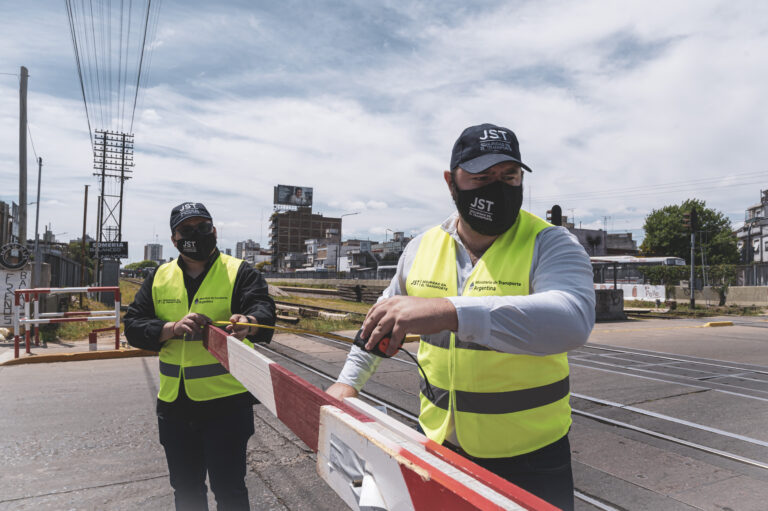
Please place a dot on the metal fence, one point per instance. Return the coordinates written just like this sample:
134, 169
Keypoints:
65, 272
384, 273
752, 275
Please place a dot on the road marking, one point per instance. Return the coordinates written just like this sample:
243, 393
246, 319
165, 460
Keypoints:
671, 419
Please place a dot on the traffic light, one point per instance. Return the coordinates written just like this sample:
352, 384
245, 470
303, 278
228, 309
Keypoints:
691, 220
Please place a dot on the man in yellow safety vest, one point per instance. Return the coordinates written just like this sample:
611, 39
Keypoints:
205, 416
498, 296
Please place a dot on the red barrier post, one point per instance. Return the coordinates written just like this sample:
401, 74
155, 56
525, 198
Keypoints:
117, 338
92, 346
16, 346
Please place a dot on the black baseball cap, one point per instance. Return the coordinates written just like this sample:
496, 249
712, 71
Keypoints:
483, 146
188, 210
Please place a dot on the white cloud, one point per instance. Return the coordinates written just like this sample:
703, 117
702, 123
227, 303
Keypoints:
612, 102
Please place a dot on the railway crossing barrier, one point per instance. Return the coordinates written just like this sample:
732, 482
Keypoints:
33, 318
369, 459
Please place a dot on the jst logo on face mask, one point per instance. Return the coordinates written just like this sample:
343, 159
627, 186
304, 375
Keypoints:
189, 245
481, 208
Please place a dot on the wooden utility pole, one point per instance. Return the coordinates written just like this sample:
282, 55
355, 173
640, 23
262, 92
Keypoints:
82, 246
23, 156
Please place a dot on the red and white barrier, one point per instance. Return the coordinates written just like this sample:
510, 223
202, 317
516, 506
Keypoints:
31, 321
371, 460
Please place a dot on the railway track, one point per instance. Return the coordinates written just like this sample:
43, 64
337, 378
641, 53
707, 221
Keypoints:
688, 437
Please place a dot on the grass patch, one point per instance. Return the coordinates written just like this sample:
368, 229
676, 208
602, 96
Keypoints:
330, 303
703, 311
639, 304
324, 325
128, 290
299, 283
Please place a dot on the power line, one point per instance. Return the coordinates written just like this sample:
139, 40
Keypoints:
141, 60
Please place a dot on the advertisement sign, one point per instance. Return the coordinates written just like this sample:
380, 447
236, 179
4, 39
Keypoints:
293, 195
10, 281
117, 249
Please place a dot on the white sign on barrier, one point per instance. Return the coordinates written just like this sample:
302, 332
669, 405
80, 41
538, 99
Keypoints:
637, 291
10, 281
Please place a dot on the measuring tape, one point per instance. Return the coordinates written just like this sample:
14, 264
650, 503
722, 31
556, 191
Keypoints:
379, 349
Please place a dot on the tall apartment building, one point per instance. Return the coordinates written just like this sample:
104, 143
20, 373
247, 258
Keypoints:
289, 230
153, 252
244, 248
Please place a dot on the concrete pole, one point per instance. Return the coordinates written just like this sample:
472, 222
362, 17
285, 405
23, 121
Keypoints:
23, 156
82, 246
691, 282
36, 279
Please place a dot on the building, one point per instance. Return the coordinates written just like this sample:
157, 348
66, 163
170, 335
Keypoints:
621, 243
752, 237
245, 248
290, 229
389, 251
153, 252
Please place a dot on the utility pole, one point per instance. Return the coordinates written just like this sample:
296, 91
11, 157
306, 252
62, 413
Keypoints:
82, 246
23, 156
36, 279
691, 221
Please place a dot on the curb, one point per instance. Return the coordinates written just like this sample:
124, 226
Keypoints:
73, 357
718, 323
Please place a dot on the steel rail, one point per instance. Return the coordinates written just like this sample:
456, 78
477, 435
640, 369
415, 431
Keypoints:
625, 425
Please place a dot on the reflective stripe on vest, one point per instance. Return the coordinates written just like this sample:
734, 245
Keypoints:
205, 378
503, 404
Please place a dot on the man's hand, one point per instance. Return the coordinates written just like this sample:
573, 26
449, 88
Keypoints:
189, 325
341, 391
403, 315
240, 331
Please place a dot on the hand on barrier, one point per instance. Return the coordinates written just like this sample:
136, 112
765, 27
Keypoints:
399, 315
237, 327
341, 391
190, 325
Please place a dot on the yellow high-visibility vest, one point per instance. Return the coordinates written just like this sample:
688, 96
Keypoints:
204, 377
503, 404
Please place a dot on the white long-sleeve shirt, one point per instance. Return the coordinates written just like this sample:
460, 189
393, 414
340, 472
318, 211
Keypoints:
556, 317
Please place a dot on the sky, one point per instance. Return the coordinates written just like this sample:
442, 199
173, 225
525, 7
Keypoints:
620, 108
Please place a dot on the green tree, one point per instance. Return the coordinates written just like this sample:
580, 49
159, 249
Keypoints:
141, 264
666, 236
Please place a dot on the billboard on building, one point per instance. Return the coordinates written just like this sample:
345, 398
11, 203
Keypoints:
293, 195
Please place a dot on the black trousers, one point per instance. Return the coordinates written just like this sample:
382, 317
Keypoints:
546, 472
216, 445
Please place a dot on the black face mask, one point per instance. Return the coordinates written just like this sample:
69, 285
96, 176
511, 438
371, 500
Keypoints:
197, 246
491, 209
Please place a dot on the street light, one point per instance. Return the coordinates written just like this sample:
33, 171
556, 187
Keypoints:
338, 247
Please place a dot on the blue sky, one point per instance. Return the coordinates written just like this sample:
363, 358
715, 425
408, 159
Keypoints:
620, 107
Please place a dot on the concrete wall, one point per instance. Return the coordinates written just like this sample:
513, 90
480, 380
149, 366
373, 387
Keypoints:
609, 304
736, 295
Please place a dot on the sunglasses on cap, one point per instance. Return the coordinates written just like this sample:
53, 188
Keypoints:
201, 228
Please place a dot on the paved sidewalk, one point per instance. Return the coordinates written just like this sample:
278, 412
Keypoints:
60, 351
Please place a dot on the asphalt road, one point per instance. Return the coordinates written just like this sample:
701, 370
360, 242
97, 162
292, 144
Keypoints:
83, 435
